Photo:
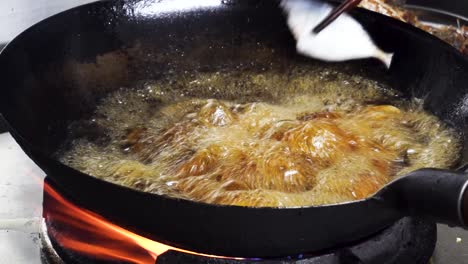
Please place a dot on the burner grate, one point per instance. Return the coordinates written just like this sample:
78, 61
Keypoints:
48, 253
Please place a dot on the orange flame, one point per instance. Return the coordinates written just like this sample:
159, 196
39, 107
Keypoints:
110, 241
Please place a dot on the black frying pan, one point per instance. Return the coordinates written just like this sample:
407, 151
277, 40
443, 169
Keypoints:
54, 73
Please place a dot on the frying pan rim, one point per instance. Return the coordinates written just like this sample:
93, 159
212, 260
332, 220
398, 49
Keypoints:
355, 10
410, 27
460, 204
394, 22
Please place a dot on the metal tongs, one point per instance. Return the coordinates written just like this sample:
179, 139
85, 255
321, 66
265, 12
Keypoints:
335, 13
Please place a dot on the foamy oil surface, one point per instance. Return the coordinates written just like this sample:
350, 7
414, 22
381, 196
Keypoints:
260, 139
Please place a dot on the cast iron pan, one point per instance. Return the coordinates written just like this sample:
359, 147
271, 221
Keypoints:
55, 72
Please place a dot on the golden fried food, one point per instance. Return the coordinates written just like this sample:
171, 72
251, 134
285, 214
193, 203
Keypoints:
323, 142
215, 113
313, 148
238, 153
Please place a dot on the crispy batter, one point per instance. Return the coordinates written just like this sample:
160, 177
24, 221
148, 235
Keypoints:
282, 156
322, 141
318, 146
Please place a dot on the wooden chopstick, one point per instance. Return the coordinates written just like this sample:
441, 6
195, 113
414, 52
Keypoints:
335, 13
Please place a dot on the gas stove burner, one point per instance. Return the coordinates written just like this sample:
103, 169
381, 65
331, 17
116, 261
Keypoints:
407, 241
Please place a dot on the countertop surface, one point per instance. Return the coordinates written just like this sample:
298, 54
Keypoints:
17, 15
20, 198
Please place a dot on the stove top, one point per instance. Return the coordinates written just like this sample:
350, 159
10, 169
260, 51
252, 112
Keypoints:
407, 241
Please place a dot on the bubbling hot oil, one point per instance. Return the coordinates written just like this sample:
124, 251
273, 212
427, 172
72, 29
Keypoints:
311, 138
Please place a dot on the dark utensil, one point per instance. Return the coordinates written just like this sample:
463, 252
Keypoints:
57, 71
335, 13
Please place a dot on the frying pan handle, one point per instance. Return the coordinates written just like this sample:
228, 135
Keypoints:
436, 195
